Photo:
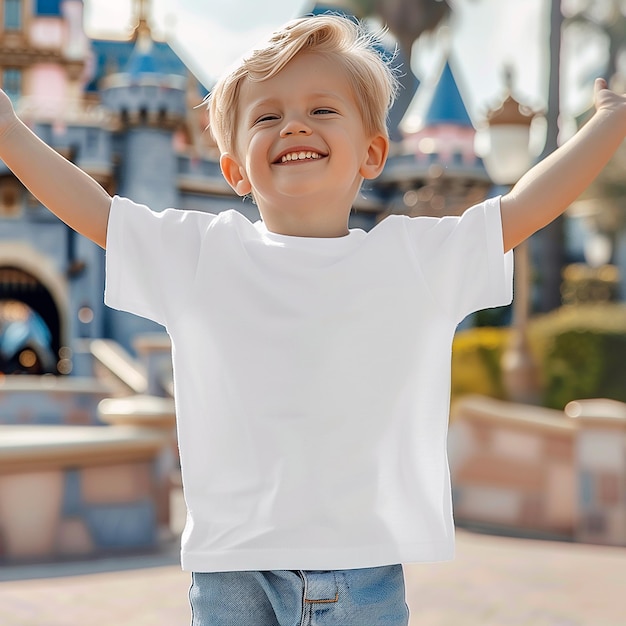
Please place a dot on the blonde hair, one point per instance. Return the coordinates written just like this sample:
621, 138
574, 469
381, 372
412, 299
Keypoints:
343, 40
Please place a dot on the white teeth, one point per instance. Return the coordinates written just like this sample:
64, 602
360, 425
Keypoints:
300, 156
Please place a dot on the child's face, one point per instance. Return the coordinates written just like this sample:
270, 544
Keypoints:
300, 143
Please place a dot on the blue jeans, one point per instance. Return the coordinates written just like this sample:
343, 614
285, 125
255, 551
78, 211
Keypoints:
356, 597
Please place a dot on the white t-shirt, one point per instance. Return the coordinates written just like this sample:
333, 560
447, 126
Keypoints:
312, 377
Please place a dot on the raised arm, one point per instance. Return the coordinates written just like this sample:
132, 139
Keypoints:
547, 189
66, 190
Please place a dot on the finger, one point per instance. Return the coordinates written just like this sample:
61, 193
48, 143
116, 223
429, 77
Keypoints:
600, 83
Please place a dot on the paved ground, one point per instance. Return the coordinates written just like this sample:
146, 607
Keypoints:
494, 581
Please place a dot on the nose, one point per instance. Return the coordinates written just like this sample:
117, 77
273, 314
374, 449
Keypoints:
295, 126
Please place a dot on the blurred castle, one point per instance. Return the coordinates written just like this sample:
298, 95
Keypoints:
123, 110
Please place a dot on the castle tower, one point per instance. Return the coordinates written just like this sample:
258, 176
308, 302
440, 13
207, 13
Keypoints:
148, 104
51, 278
447, 124
440, 144
43, 51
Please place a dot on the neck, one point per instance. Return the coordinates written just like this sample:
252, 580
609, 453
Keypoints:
308, 217
305, 228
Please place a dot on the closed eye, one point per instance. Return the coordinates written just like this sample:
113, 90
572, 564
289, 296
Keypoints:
266, 118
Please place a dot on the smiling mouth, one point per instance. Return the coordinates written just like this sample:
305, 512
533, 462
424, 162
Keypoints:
300, 155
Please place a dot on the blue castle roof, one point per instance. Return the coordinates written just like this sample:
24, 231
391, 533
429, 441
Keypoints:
127, 56
447, 106
143, 60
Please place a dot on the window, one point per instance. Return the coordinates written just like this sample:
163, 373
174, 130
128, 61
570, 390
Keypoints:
12, 14
12, 83
10, 198
48, 7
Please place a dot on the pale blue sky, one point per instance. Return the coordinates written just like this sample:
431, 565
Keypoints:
485, 35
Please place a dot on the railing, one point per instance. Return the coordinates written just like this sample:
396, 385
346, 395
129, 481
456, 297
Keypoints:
120, 364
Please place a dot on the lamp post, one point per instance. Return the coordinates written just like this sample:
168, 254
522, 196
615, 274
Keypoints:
504, 145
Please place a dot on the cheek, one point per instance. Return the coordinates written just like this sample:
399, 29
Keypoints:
256, 154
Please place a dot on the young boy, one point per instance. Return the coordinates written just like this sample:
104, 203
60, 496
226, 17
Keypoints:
311, 361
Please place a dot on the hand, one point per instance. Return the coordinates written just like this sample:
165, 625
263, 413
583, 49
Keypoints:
552, 185
7, 113
605, 99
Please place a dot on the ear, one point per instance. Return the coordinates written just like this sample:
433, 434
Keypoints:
235, 174
376, 157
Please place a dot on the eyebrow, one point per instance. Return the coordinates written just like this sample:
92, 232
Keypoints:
259, 104
272, 101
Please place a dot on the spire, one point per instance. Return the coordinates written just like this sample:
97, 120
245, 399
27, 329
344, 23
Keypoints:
447, 106
142, 59
142, 29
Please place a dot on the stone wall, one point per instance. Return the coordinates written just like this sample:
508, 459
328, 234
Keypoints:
69, 491
50, 400
534, 470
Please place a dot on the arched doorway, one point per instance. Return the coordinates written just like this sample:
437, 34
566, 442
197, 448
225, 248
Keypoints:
30, 325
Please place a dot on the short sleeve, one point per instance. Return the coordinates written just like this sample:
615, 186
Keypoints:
462, 259
151, 258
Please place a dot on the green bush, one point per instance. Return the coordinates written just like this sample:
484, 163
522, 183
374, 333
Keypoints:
580, 352
476, 355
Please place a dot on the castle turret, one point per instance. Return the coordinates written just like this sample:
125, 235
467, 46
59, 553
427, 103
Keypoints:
148, 104
437, 169
446, 125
